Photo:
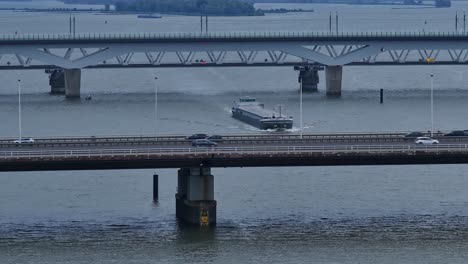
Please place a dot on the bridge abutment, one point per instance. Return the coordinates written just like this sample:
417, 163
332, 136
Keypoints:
195, 202
334, 75
72, 83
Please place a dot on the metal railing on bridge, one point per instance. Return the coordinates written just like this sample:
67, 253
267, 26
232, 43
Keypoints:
231, 138
232, 35
433, 149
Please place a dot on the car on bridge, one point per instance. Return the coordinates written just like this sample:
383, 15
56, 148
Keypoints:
426, 141
197, 136
24, 141
214, 137
414, 134
203, 143
457, 133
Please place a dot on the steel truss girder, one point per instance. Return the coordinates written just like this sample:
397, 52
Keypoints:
248, 53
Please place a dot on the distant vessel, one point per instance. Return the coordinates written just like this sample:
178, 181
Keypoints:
248, 110
150, 16
443, 3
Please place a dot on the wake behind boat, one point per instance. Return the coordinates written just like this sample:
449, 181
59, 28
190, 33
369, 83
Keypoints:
248, 110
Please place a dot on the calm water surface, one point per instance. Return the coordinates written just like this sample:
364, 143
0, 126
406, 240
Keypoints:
366, 214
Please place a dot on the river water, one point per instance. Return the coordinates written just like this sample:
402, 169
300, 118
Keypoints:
364, 214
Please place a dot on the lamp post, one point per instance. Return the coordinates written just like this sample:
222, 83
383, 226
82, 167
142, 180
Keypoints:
300, 69
155, 106
19, 110
300, 109
432, 104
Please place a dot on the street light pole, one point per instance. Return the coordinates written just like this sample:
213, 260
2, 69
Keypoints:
19, 110
155, 106
300, 106
432, 104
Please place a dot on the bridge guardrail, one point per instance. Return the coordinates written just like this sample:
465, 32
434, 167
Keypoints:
9, 155
140, 140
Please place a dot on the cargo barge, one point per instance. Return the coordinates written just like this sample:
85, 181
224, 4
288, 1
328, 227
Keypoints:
248, 110
150, 16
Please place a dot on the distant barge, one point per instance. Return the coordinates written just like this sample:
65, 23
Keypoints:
150, 16
248, 110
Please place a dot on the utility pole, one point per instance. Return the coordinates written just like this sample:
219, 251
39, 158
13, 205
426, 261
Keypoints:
336, 22
74, 25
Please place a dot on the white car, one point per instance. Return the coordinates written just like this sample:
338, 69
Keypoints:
24, 141
426, 141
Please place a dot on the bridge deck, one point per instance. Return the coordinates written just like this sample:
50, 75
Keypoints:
108, 38
238, 151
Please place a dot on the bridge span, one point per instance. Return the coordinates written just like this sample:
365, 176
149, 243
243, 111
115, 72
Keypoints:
233, 49
195, 193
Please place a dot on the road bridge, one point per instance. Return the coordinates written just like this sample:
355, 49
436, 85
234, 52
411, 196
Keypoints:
231, 49
195, 196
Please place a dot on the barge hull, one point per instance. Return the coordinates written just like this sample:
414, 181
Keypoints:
259, 123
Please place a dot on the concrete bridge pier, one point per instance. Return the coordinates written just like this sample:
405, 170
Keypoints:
72, 83
56, 81
309, 78
195, 202
333, 76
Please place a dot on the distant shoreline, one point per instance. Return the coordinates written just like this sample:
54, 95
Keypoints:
261, 12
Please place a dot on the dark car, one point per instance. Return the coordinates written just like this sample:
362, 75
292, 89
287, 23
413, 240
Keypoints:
197, 136
214, 137
414, 134
456, 133
203, 143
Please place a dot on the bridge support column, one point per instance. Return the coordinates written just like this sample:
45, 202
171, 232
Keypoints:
72, 83
195, 202
334, 76
309, 78
56, 81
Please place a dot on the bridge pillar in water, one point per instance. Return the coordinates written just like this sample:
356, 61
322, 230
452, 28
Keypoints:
72, 83
195, 202
333, 76
309, 78
56, 81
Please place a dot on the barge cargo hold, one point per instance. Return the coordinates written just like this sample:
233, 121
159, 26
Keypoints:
248, 110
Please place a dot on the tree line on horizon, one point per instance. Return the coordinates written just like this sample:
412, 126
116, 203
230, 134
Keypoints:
208, 7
